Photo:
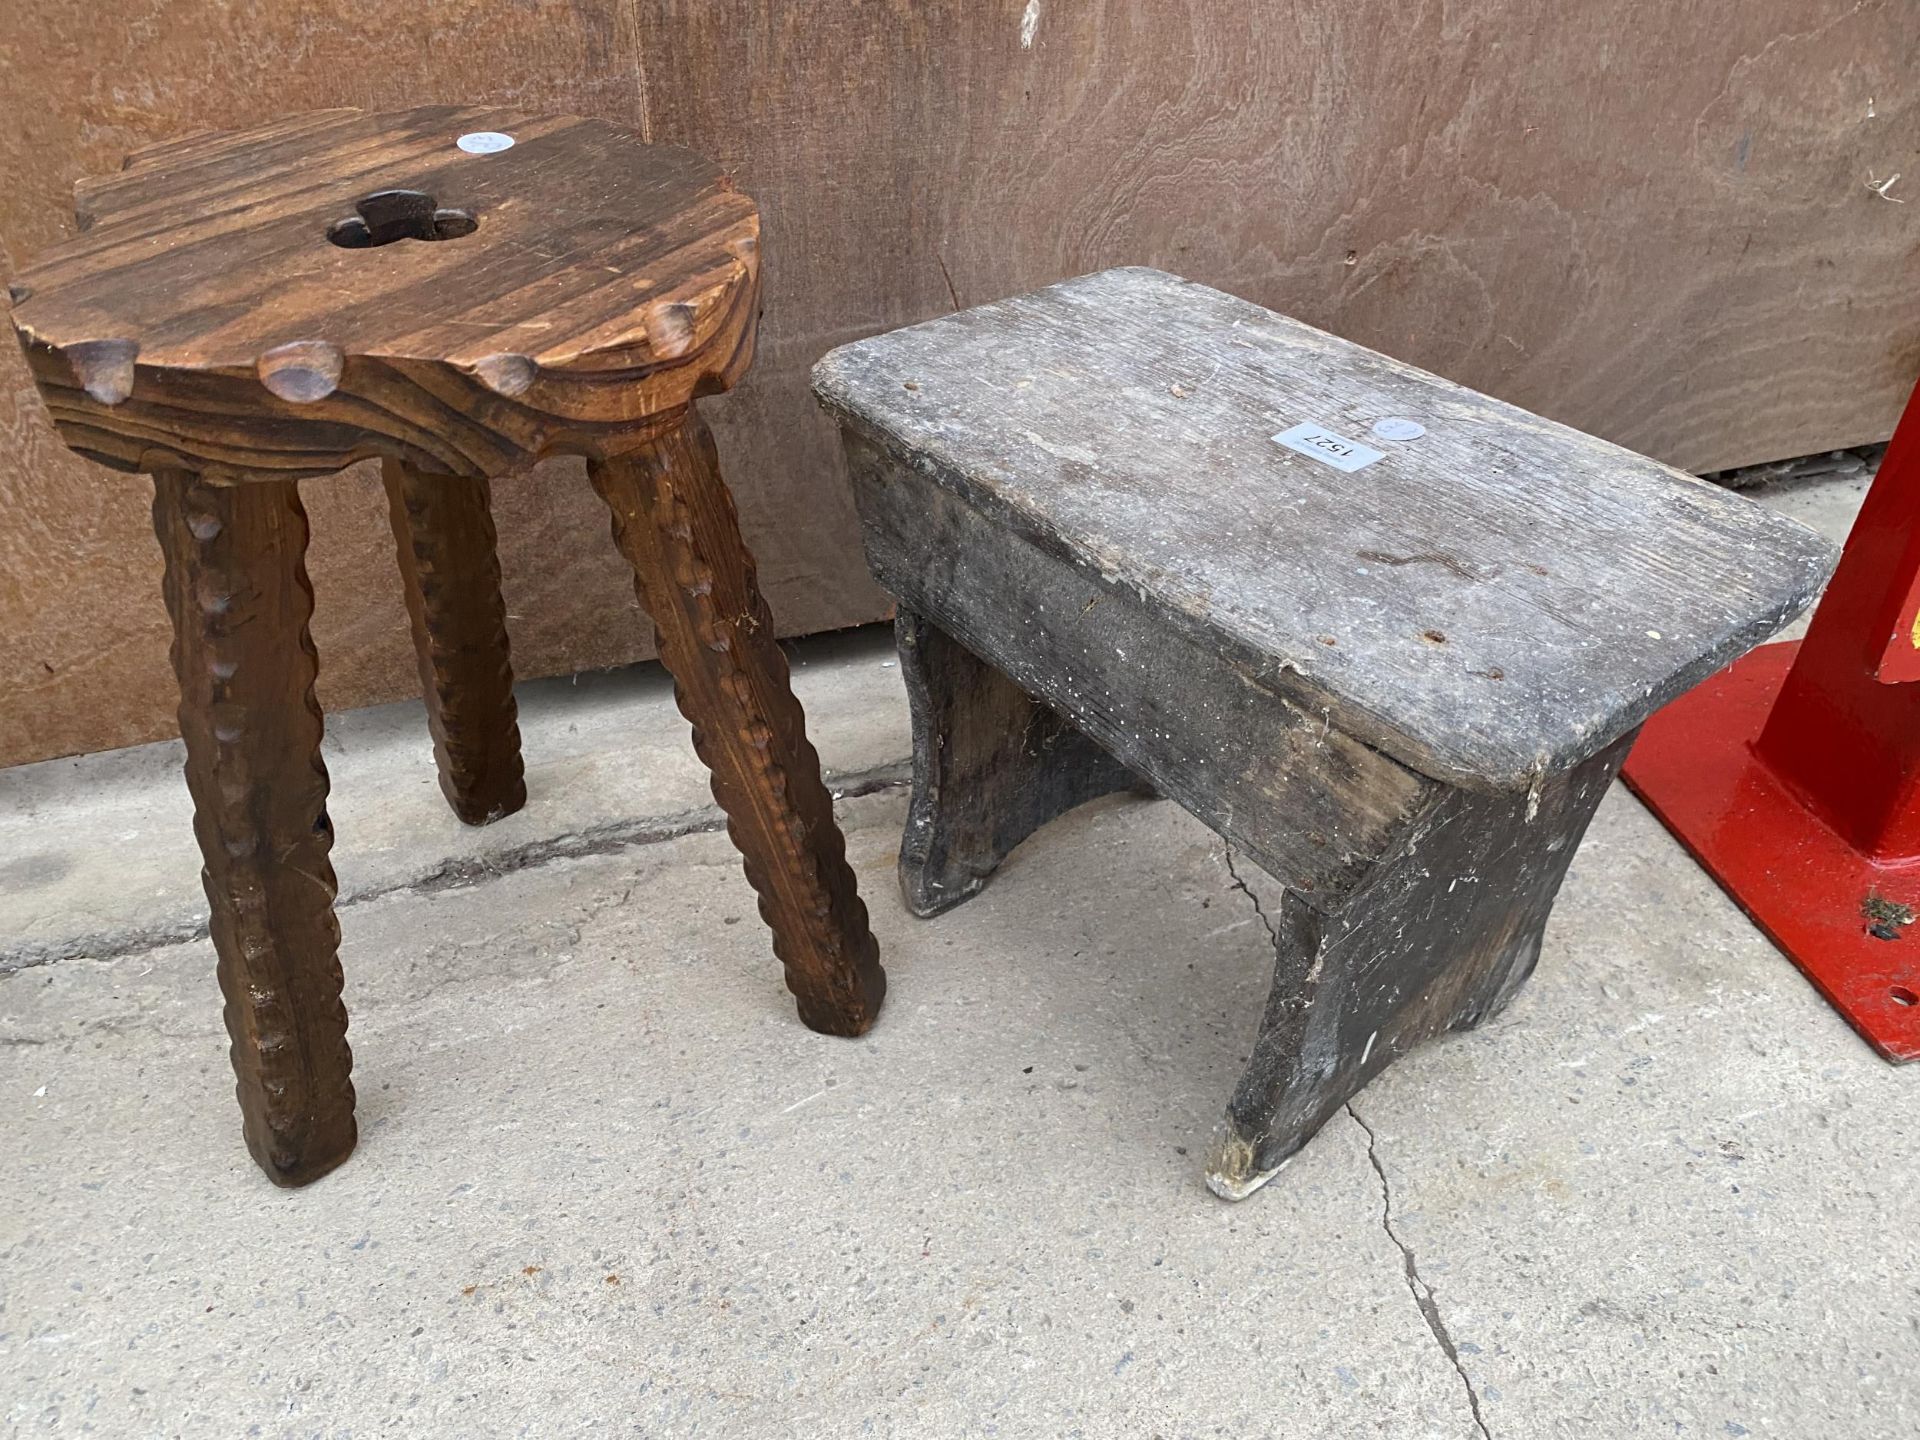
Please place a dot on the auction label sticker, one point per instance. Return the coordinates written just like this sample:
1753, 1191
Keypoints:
1320, 443
485, 142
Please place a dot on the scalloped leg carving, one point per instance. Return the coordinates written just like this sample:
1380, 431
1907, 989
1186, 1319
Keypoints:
443, 527
991, 765
674, 521
236, 587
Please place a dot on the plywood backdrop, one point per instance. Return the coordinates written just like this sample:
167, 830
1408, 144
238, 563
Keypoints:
1655, 221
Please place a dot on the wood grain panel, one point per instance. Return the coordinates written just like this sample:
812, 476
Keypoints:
1649, 221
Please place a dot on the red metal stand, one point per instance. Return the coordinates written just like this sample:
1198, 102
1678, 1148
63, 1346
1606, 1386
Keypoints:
1794, 775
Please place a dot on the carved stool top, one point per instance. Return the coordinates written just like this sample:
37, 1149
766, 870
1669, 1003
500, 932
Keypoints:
1483, 594
463, 289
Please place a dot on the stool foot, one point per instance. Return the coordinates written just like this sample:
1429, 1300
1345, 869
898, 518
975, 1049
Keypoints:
443, 527
675, 523
236, 588
990, 766
1439, 936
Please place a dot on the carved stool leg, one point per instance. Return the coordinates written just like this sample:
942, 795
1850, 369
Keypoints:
990, 766
674, 521
236, 587
444, 529
1439, 936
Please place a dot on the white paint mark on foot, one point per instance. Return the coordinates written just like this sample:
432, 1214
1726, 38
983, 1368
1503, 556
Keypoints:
1030, 22
1369, 1050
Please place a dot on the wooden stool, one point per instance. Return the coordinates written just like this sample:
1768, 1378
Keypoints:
1387, 636
459, 292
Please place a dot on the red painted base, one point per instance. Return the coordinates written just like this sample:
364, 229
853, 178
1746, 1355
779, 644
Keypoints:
1814, 895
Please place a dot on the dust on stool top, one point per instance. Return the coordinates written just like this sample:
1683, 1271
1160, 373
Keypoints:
463, 288
1483, 594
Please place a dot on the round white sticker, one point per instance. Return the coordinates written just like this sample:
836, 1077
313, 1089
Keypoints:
1394, 428
485, 142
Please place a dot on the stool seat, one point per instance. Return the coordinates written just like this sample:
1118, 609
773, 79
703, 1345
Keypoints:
1492, 597
463, 289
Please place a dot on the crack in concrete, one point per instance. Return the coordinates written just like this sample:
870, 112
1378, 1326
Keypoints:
1421, 1291
455, 873
1246, 890
103, 945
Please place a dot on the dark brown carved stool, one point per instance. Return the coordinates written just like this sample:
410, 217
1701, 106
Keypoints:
1387, 636
457, 292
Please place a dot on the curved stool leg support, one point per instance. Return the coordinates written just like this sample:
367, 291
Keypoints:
1440, 935
443, 527
991, 765
675, 523
236, 588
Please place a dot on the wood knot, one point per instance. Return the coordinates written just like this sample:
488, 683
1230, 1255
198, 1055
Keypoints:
301, 371
104, 368
508, 375
669, 329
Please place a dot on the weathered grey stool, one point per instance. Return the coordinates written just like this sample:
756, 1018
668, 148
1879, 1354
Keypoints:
1388, 636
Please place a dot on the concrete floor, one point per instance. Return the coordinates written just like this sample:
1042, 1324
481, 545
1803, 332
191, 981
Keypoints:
608, 1184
